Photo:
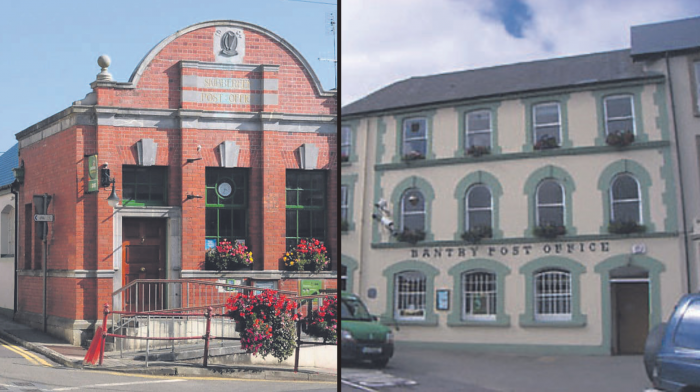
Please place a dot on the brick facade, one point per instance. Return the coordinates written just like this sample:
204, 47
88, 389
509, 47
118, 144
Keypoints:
278, 107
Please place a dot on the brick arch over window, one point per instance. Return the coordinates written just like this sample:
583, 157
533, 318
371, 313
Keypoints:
489, 180
643, 179
564, 179
430, 273
429, 194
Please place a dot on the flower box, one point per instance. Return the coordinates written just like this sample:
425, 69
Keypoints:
625, 227
476, 234
477, 151
307, 255
412, 156
411, 236
228, 257
546, 143
549, 231
620, 138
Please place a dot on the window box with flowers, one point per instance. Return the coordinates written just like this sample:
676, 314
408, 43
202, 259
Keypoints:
228, 257
625, 227
323, 323
548, 230
413, 156
476, 234
344, 157
411, 236
477, 151
620, 138
266, 323
546, 143
307, 255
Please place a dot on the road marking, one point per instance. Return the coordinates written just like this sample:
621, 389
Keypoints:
358, 386
31, 357
114, 385
207, 378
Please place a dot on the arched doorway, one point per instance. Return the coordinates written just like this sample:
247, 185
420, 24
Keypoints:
629, 292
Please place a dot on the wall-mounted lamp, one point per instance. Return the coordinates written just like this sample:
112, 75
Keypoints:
191, 196
105, 180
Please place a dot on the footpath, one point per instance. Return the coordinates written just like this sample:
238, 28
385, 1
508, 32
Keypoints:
72, 356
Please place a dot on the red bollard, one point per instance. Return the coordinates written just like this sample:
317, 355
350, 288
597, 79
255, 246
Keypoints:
104, 335
206, 337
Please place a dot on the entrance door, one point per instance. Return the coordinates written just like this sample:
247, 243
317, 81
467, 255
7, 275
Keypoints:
631, 311
143, 257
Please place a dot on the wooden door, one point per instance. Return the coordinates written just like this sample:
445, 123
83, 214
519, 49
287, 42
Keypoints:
143, 257
631, 302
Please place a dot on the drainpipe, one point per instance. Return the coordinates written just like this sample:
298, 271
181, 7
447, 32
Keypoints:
15, 192
680, 176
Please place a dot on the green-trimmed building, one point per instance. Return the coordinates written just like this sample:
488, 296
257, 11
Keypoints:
533, 207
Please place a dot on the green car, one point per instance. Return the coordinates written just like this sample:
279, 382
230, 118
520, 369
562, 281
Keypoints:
362, 337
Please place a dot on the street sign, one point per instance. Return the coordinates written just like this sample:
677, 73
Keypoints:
43, 218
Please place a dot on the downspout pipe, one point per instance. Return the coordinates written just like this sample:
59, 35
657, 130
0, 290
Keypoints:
680, 177
15, 192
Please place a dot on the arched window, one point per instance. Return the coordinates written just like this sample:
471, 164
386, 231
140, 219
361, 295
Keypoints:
625, 200
410, 292
479, 207
413, 210
479, 295
478, 129
552, 295
550, 204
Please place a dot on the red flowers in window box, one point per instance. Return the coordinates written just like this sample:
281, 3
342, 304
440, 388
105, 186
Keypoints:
307, 255
228, 257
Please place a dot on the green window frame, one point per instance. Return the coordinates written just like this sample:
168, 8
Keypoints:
226, 204
144, 186
305, 192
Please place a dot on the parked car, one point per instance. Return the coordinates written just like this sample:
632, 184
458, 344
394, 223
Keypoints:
672, 350
362, 337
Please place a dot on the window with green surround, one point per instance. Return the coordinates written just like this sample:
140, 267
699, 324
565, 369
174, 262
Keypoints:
144, 186
306, 205
226, 204
345, 144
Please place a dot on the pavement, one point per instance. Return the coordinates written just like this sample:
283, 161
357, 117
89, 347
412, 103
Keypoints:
72, 356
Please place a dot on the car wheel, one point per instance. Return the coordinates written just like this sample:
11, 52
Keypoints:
380, 363
652, 347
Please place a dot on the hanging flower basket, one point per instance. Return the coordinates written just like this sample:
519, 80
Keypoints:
307, 255
477, 151
228, 257
549, 231
546, 143
620, 138
411, 236
323, 323
476, 234
625, 227
267, 323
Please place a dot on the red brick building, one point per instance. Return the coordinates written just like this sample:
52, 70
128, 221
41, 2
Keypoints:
222, 132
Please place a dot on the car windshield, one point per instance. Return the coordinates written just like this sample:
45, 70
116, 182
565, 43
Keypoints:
351, 309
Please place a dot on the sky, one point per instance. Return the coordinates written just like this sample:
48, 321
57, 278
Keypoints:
50, 48
386, 41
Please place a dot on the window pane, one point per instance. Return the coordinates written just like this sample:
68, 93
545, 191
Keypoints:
292, 198
546, 114
478, 121
414, 128
624, 187
549, 192
414, 222
547, 132
292, 223
304, 223
620, 125
415, 145
551, 216
225, 223
618, 107
479, 197
479, 219
626, 212
318, 223
413, 201
238, 223
479, 139
211, 223
345, 135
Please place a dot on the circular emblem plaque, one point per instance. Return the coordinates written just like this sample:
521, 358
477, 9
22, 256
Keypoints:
225, 189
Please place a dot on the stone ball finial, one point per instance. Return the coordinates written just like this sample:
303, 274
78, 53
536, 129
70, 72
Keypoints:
104, 61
